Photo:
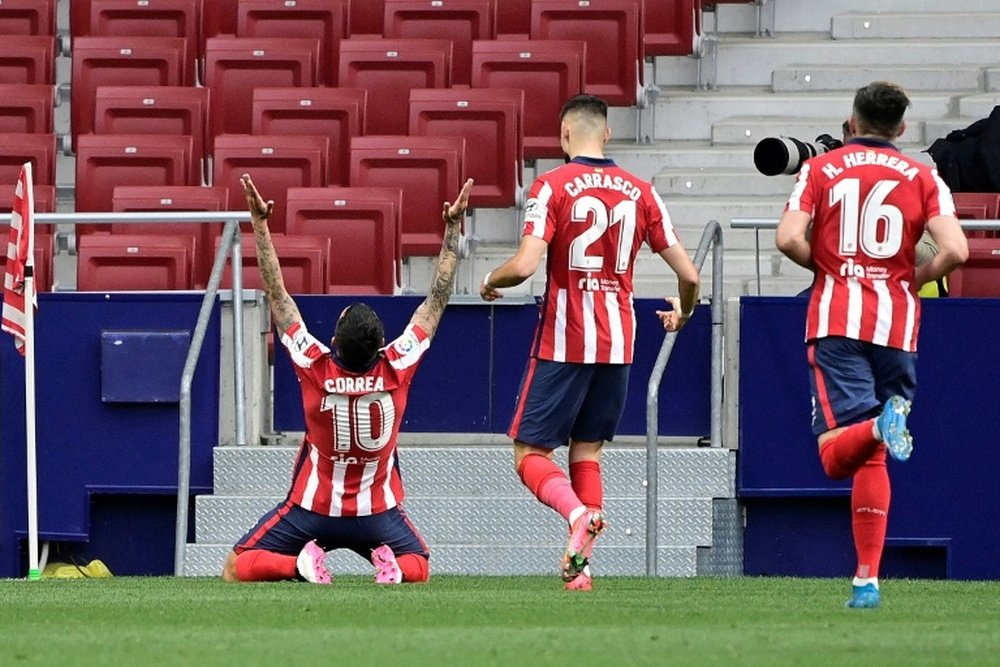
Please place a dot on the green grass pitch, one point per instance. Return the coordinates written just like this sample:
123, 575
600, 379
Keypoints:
509, 621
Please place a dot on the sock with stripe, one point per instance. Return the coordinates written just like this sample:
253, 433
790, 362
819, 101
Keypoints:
261, 565
414, 567
549, 484
843, 454
586, 479
870, 495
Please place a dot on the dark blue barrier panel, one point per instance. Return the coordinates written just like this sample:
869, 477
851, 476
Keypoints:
88, 447
470, 378
943, 499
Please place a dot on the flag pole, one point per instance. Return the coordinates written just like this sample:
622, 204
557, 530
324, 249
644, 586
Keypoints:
29, 374
29, 379
29, 415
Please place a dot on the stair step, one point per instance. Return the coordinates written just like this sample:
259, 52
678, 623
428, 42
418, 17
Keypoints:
486, 470
721, 182
909, 25
486, 520
806, 78
744, 61
691, 115
993, 79
748, 130
978, 106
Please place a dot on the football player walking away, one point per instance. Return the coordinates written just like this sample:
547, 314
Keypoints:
868, 205
346, 488
591, 217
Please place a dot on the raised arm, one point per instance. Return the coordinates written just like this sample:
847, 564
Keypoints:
283, 308
428, 314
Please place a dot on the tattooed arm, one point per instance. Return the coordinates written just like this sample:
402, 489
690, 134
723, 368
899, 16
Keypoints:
284, 312
428, 314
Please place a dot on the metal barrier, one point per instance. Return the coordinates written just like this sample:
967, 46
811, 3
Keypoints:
230, 238
757, 224
711, 237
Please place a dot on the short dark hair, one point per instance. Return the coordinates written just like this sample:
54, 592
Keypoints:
879, 108
359, 335
589, 104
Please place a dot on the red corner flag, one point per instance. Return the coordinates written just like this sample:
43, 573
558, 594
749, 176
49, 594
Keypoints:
20, 258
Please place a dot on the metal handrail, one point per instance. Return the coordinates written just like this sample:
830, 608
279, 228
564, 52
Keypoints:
230, 238
757, 224
710, 238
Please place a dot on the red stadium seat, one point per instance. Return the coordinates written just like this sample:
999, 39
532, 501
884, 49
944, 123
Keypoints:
427, 169
39, 149
670, 27
175, 198
363, 227
612, 30
460, 21
304, 261
323, 20
124, 262
276, 163
153, 110
513, 19
26, 108
106, 161
388, 69
218, 17
336, 113
980, 275
44, 243
549, 71
28, 17
978, 206
490, 122
234, 67
162, 18
121, 61
28, 59
367, 18
45, 200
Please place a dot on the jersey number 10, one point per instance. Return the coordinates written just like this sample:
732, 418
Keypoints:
362, 421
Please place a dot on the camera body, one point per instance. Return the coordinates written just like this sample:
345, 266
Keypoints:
785, 155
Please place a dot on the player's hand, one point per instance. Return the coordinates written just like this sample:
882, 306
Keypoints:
488, 292
259, 209
453, 213
673, 320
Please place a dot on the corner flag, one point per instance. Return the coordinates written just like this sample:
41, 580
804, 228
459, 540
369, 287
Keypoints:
18, 318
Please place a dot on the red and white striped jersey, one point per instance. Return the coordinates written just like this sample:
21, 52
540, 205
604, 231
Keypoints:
347, 463
869, 205
594, 216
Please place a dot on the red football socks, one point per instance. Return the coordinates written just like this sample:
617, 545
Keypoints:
586, 479
260, 565
870, 496
843, 454
414, 567
549, 484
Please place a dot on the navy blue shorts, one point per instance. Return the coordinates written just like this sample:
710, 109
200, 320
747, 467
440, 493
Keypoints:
559, 401
851, 380
287, 528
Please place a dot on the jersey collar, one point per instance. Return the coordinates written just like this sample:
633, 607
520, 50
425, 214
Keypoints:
593, 161
871, 142
359, 370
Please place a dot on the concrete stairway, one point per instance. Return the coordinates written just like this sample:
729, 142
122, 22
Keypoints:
478, 519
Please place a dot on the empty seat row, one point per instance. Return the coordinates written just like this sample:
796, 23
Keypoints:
323, 224
426, 169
